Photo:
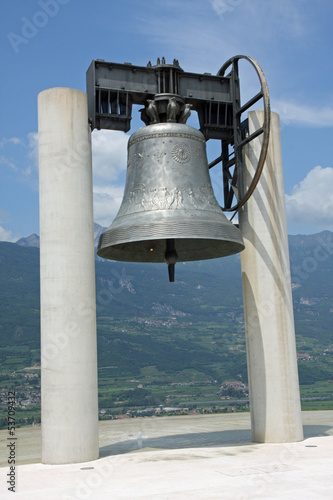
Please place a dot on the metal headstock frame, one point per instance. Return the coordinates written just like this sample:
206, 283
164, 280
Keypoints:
113, 88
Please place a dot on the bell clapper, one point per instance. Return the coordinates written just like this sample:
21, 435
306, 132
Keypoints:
171, 258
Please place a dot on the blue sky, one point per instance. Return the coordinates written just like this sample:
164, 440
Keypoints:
50, 43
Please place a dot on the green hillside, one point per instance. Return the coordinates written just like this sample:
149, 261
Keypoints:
169, 343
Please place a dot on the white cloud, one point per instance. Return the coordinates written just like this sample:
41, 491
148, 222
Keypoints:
311, 201
109, 151
26, 158
205, 33
107, 200
10, 140
265, 19
298, 114
8, 163
6, 235
33, 147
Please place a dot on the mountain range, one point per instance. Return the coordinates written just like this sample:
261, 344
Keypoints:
197, 323
33, 239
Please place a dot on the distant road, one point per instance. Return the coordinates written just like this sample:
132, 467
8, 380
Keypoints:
318, 398
214, 402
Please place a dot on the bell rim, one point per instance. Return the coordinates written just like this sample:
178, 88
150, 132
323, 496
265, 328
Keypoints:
212, 236
218, 250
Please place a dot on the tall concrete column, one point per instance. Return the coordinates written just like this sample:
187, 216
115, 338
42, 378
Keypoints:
67, 279
269, 320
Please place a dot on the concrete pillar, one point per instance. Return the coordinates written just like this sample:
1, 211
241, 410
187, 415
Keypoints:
269, 320
67, 280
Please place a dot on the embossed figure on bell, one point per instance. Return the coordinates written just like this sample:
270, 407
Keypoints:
173, 110
169, 211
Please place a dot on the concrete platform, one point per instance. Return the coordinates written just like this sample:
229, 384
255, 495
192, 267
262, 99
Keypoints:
197, 457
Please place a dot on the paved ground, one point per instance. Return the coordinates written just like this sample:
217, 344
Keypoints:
195, 457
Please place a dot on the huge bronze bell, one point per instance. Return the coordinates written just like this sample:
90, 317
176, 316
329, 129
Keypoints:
169, 212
